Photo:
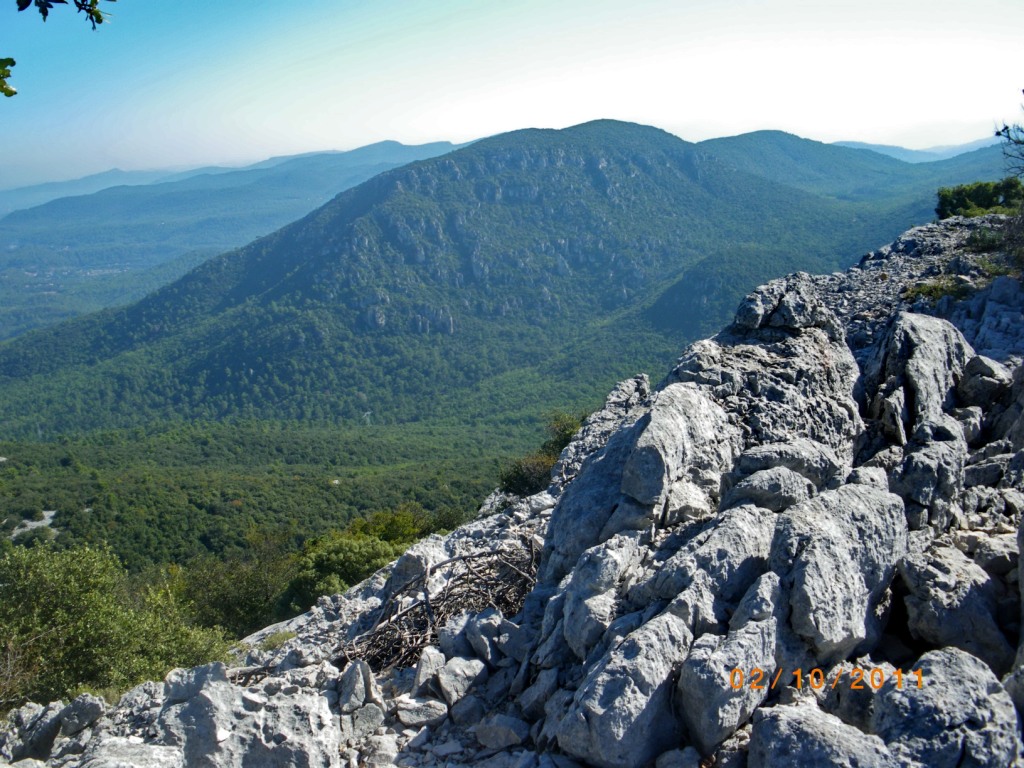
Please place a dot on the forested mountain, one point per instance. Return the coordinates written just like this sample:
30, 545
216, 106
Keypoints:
472, 285
921, 155
849, 173
78, 254
28, 197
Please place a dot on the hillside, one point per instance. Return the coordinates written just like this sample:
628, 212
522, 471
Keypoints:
37, 194
800, 548
78, 254
445, 287
850, 173
921, 155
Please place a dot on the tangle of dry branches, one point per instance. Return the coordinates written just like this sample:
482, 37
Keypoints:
408, 621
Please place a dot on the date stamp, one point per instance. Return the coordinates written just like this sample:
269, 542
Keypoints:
856, 679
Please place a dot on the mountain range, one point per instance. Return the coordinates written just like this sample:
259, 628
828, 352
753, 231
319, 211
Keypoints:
110, 239
929, 155
110, 246
480, 284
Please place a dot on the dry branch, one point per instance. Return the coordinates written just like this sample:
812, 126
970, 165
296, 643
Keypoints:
473, 583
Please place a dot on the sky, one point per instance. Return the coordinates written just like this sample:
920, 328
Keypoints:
185, 83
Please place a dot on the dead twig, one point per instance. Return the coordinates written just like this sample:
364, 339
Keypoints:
473, 583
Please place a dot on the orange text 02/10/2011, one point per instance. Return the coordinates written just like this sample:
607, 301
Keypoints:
856, 678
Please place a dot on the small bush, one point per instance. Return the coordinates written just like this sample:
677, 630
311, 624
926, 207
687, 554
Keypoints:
1013, 237
532, 473
984, 240
332, 563
69, 620
527, 475
933, 290
275, 640
981, 197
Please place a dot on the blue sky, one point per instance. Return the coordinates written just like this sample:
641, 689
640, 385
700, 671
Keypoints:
178, 83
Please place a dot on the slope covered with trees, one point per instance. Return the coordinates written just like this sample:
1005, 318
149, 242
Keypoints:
432, 286
77, 254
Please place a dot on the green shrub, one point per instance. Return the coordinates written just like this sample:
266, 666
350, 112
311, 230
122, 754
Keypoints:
981, 197
332, 563
985, 240
532, 473
69, 620
242, 592
406, 523
275, 640
933, 290
527, 475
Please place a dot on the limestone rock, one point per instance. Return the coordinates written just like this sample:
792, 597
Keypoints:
684, 429
731, 552
458, 676
358, 687
81, 713
776, 489
430, 662
805, 737
482, 632
501, 731
838, 553
590, 597
30, 731
960, 715
217, 727
711, 706
416, 713
984, 381
120, 752
927, 357
952, 601
808, 458
621, 716
534, 698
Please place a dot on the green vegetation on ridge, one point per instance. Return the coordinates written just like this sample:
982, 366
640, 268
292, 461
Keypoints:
171, 495
412, 293
78, 254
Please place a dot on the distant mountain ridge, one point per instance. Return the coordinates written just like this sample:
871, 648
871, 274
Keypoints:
852, 174
81, 253
921, 155
37, 194
472, 283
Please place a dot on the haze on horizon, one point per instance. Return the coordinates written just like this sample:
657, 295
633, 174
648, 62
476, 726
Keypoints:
179, 83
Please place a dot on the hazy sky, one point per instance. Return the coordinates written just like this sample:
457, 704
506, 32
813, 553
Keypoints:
173, 83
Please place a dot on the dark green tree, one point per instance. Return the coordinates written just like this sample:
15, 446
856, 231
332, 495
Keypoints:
333, 563
532, 473
981, 197
93, 14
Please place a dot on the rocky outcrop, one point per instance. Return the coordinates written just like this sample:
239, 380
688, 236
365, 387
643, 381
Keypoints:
802, 548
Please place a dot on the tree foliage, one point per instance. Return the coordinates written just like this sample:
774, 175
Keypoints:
333, 563
531, 474
980, 198
93, 14
1013, 152
70, 620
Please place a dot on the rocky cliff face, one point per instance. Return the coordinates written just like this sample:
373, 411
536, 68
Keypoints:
800, 549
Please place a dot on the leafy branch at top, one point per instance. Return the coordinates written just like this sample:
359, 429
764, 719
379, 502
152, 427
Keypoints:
91, 9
